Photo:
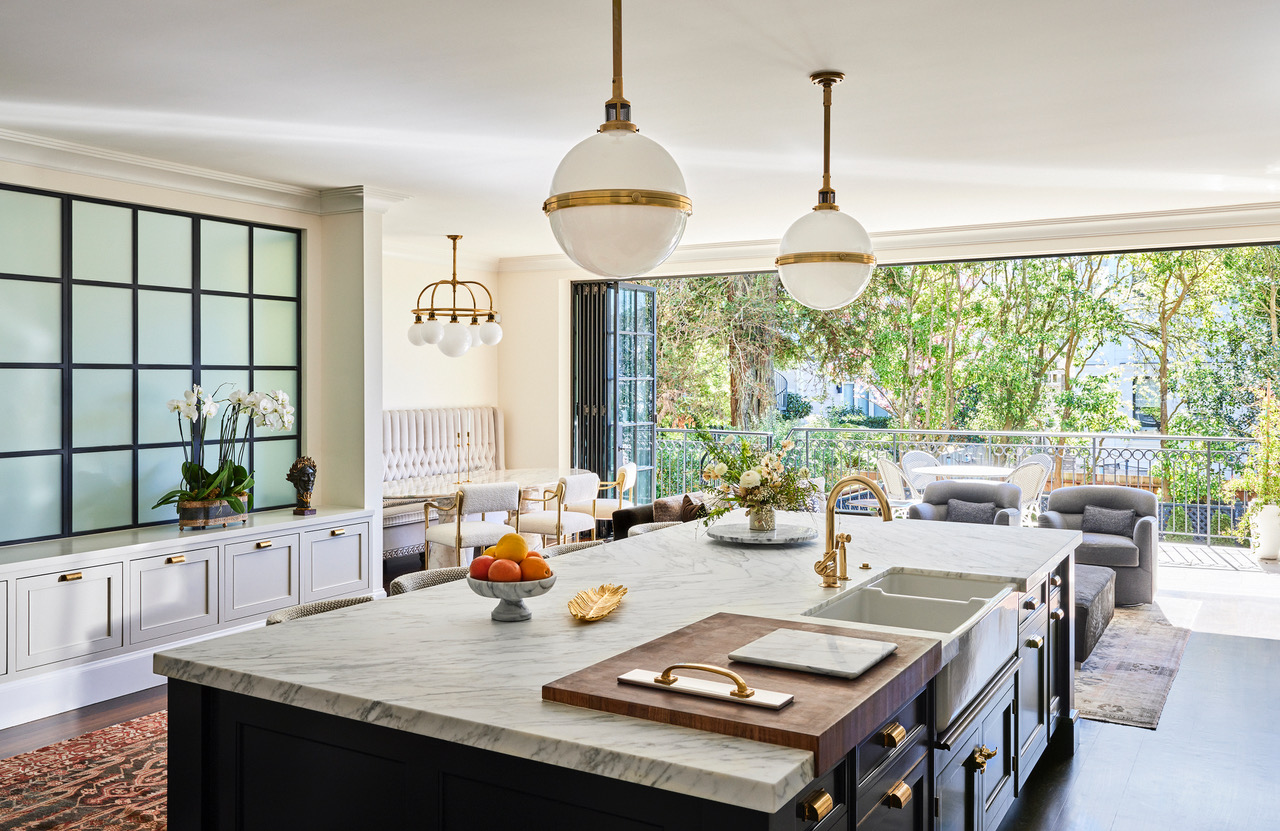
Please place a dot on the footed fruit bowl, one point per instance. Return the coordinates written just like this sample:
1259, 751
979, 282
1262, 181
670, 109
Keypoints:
511, 595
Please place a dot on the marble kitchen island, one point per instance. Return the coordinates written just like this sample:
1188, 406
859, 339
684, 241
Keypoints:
421, 709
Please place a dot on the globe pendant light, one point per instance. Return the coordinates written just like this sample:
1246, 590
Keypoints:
456, 336
618, 203
826, 256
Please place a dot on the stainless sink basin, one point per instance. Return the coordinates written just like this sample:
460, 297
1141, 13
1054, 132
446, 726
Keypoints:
874, 605
942, 588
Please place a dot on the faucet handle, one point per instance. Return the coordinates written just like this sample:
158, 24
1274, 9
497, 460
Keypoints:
844, 538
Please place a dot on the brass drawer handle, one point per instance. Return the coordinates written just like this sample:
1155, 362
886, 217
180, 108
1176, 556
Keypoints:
67, 578
177, 558
337, 532
1036, 642
893, 735
1057, 615
1055, 580
981, 756
815, 806
743, 691
264, 544
899, 795
1030, 604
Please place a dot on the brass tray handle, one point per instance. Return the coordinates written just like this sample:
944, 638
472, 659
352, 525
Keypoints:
899, 795
67, 578
893, 735
981, 756
815, 806
175, 559
264, 544
337, 532
743, 691
1057, 615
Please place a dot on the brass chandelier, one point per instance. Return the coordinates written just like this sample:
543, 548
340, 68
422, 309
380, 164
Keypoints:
454, 337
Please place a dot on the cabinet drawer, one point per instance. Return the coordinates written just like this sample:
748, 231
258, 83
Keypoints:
69, 614
830, 788
896, 734
898, 799
173, 593
335, 561
4, 626
1033, 600
260, 576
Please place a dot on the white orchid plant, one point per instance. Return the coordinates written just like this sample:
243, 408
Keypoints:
230, 480
745, 477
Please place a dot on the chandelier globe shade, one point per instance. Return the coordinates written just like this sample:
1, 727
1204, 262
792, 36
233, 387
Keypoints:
417, 335
827, 284
432, 331
456, 339
618, 203
489, 333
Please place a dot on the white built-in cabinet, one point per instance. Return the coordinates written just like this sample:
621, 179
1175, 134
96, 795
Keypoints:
4, 627
339, 562
173, 593
261, 575
69, 614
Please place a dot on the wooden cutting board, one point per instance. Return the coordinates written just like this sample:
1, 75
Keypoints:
830, 716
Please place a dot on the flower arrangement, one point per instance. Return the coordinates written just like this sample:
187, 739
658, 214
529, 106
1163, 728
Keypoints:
229, 480
1260, 476
761, 482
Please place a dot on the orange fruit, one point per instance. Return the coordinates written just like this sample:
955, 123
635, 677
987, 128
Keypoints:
511, 547
504, 571
537, 554
480, 567
534, 568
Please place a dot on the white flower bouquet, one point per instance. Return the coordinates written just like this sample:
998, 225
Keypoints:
761, 482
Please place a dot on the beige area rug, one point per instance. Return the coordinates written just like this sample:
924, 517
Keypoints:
1130, 672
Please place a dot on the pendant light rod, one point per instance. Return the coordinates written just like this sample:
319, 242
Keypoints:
827, 195
617, 110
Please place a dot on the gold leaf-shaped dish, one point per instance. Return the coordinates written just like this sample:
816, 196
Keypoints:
594, 604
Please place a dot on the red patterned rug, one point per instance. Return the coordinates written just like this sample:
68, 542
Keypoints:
109, 780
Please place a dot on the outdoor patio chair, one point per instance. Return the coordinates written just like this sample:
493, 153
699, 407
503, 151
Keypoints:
973, 501
1045, 460
896, 487
913, 459
1030, 478
1121, 536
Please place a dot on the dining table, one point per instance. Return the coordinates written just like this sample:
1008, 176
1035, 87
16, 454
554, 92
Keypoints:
964, 471
442, 485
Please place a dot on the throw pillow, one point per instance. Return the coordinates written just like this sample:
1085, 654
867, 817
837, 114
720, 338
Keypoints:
668, 509
978, 513
693, 507
1107, 521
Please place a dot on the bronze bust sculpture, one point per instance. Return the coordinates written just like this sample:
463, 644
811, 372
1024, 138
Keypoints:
303, 477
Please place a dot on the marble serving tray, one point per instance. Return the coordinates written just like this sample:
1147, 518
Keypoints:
740, 532
838, 655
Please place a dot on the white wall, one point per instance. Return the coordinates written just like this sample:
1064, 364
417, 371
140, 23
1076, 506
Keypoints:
421, 376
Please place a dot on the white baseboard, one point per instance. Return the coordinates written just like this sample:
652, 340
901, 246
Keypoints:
51, 693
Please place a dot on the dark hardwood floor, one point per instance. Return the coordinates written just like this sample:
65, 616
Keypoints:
35, 734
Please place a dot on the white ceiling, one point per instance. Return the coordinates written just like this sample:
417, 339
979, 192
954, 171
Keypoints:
953, 113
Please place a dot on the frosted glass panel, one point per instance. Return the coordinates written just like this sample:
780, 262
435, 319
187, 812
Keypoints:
31, 326
101, 325
229, 380
164, 250
224, 256
101, 490
101, 242
275, 262
275, 332
30, 497
30, 234
32, 407
164, 327
271, 462
155, 388
159, 471
270, 380
224, 330
101, 407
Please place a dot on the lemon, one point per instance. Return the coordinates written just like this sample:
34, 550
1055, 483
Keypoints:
511, 547
488, 552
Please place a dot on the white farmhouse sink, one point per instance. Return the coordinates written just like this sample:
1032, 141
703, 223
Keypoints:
874, 605
942, 588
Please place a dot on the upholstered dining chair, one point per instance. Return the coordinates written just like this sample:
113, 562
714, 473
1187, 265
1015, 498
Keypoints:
601, 508
913, 459
315, 607
406, 583
565, 548
558, 522
896, 487
1030, 478
461, 533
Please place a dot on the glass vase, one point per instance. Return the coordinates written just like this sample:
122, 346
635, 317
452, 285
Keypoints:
761, 518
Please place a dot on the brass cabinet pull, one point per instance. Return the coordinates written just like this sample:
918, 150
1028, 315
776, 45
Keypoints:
175, 559
67, 578
743, 691
899, 795
815, 806
981, 756
1030, 604
1057, 615
1036, 642
264, 544
337, 532
1055, 580
893, 735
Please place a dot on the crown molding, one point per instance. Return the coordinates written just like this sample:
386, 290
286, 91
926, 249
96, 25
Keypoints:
357, 199
72, 157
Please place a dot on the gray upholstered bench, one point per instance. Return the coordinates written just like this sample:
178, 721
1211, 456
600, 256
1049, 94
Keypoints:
1095, 604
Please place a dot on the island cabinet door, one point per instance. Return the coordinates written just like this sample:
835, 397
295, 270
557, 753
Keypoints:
335, 561
973, 786
4, 627
1033, 693
69, 614
260, 576
173, 593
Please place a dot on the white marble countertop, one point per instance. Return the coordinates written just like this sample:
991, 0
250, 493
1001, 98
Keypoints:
434, 663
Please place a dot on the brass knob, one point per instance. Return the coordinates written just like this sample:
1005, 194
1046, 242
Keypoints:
1030, 603
981, 756
1055, 580
1057, 615
893, 735
899, 795
1036, 642
815, 806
